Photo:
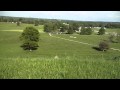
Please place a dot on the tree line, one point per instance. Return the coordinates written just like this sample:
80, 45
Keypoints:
39, 21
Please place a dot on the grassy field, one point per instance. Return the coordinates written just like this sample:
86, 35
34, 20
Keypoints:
56, 58
13, 26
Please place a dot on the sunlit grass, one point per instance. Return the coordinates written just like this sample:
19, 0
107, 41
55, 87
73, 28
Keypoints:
50, 68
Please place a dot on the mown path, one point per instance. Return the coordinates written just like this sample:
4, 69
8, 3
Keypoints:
82, 42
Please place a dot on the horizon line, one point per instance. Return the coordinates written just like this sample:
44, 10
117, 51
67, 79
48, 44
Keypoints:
59, 19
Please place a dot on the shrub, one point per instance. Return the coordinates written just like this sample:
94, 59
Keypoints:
103, 46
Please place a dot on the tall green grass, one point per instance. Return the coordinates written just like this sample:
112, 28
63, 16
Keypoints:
50, 68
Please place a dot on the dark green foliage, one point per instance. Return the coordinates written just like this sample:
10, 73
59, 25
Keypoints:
46, 28
54, 28
86, 31
18, 23
20, 19
30, 45
62, 29
103, 46
50, 27
116, 58
82, 31
112, 25
30, 34
89, 31
101, 31
70, 30
30, 37
65, 27
75, 24
36, 23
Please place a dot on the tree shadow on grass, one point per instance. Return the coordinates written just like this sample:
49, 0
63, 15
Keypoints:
116, 58
96, 48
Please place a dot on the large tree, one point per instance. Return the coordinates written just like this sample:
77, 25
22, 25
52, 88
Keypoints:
54, 28
30, 38
47, 27
50, 27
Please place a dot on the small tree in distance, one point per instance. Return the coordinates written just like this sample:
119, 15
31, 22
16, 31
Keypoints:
89, 31
30, 38
101, 31
70, 30
18, 23
36, 23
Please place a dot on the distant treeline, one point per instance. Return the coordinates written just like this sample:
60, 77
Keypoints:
59, 22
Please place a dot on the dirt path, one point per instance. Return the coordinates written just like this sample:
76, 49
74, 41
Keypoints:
115, 49
82, 42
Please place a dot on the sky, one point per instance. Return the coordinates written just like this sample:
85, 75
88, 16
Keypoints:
107, 16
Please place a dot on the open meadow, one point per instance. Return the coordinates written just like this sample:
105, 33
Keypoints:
58, 56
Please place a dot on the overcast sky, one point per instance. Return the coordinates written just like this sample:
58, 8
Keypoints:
110, 16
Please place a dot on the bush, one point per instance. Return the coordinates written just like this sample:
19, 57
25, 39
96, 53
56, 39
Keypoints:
114, 38
103, 46
118, 38
30, 38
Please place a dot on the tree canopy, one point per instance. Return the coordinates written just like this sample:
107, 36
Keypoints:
30, 38
101, 31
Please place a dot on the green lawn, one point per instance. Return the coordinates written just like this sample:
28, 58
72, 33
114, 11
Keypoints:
74, 60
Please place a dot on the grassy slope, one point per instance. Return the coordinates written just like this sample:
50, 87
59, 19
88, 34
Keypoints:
74, 60
61, 68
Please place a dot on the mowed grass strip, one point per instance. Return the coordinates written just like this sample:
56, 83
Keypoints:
13, 26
